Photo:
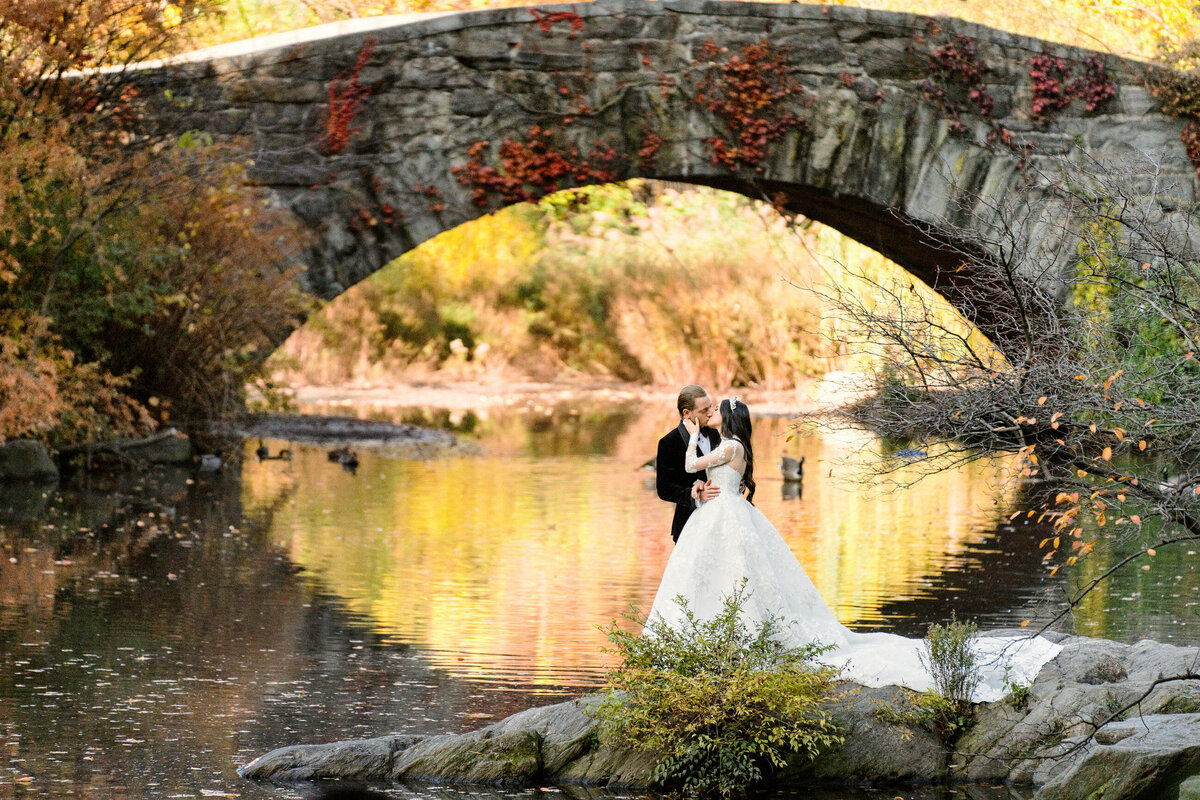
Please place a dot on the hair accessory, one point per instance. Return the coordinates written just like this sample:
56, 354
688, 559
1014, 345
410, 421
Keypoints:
733, 401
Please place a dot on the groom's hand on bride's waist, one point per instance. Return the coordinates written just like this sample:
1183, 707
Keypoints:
703, 491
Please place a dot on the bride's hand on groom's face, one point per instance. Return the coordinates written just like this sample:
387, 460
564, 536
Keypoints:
690, 425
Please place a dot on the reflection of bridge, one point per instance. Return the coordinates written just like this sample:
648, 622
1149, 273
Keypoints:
856, 136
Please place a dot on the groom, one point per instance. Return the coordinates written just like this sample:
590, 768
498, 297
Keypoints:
674, 483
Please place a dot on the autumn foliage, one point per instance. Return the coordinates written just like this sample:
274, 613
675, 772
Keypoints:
750, 94
1053, 87
532, 167
347, 94
131, 277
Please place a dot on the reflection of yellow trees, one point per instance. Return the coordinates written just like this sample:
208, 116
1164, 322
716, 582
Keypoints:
864, 546
506, 566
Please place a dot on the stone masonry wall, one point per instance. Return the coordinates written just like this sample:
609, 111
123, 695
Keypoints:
870, 156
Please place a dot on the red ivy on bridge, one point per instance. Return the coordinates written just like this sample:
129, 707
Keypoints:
957, 62
1178, 94
546, 20
532, 168
1052, 90
346, 98
747, 94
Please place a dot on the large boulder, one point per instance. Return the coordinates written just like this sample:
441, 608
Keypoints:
1069, 737
356, 760
1147, 757
566, 731
476, 757
518, 749
883, 741
26, 460
559, 742
1078, 694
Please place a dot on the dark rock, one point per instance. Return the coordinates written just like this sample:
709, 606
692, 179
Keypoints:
561, 742
611, 767
361, 759
175, 448
875, 746
26, 460
478, 757
1073, 697
566, 731
1149, 757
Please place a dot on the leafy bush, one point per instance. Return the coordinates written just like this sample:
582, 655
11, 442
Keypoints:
949, 655
1018, 693
921, 709
719, 702
140, 279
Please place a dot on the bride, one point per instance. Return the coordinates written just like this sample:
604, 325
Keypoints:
728, 540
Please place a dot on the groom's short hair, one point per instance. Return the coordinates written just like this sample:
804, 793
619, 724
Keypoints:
688, 396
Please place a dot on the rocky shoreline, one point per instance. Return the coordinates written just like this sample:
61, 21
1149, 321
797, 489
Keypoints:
27, 460
325, 430
1065, 740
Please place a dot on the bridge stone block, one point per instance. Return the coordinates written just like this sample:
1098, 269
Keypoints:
269, 89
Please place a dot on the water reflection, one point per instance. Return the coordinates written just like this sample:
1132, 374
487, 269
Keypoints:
504, 567
156, 630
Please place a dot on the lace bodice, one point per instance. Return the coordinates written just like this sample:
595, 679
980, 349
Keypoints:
726, 464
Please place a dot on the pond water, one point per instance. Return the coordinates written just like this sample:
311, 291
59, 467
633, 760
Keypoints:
158, 630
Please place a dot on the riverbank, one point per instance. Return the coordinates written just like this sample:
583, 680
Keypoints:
415, 440
808, 396
1101, 719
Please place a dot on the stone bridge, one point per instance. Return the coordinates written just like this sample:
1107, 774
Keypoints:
871, 122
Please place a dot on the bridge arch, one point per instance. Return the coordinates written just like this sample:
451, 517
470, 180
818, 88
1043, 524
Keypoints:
379, 134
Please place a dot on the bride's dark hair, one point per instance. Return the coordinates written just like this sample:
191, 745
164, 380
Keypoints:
735, 424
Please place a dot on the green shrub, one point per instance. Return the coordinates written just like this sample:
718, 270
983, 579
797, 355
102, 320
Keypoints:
1016, 694
719, 702
949, 655
928, 709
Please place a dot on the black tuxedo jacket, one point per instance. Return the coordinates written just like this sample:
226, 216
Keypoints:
674, 483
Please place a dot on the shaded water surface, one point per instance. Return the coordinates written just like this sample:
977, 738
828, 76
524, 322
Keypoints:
157, 630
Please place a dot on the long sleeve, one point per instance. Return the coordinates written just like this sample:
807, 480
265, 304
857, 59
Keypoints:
690, 457
722, 454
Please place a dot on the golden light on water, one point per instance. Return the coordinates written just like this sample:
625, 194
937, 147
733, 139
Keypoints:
508, 566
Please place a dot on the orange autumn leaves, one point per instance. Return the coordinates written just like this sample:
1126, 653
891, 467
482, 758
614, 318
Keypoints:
107, 237
1103, 504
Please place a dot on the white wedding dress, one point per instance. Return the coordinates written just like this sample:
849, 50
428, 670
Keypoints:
727, 540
